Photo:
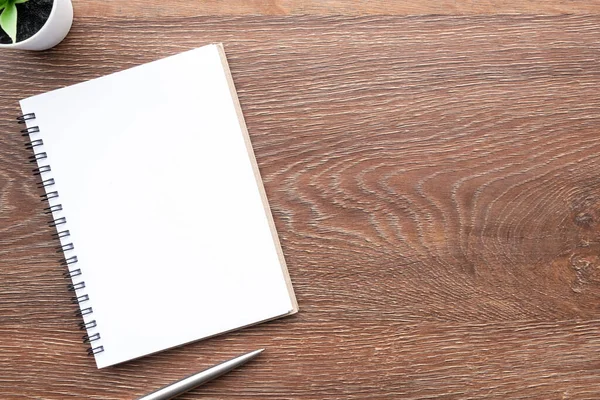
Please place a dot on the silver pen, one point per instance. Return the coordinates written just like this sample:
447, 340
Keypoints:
193, 381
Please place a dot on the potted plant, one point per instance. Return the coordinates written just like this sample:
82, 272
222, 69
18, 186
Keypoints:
34, 24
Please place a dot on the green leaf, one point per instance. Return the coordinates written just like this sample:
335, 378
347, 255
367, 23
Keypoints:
8, 20
3, 4
21, 1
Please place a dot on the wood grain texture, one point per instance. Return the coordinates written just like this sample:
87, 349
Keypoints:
186, 8
435, 184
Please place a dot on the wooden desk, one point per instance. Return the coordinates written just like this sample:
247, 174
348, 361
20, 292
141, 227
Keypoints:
434, 180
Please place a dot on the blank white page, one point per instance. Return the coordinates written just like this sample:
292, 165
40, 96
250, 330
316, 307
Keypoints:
164, 205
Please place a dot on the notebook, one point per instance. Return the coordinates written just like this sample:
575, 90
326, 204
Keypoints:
152, 184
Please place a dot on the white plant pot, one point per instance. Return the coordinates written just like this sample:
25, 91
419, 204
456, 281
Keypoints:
52, 33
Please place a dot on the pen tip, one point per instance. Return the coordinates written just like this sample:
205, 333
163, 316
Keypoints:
245, 357
255, 352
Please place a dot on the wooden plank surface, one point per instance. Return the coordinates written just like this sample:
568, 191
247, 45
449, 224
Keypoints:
434, 182
187, 8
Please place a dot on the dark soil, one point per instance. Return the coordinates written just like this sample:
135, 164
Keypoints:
31, 16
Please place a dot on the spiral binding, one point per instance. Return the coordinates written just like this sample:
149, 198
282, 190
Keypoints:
66, 249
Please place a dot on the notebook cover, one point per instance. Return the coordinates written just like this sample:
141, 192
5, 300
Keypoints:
163, 203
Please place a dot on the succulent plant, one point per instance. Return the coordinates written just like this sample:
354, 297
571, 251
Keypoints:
8, 18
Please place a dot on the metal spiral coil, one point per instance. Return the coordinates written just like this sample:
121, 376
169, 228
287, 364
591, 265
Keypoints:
66, 249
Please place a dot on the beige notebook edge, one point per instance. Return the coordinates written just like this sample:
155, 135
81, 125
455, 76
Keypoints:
258, 178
